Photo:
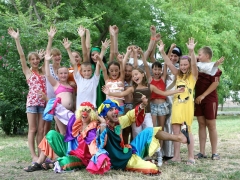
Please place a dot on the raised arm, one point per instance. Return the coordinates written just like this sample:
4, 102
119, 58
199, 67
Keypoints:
98, 65
165, 93
146, 67
126, 56
151, 56
167, 61
67, 45
51, 33
16, 36
81, 32
117, 94
122, 71
52, 81
191, 45
88, 43
151, 42
164, 75
171, 49
104, 69
135, 56
105, 45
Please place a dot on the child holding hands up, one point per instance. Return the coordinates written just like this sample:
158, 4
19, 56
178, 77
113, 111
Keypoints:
183, 104
35, 105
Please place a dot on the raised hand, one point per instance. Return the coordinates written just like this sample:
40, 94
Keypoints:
105, 90
158, 37
191, 45
81, 31
66, 43
173, 45
120, 58
140, 51
115, 29
51, 33
47, 57
97, 57
161, 46
129, 49
101, 119
106, 43
219, 62
153, 30
13, 34
41, 53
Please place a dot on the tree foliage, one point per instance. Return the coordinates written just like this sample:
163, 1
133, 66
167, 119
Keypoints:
212, 23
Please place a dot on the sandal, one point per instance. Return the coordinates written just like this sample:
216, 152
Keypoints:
190, 162
47, 165
34, 167
215, 157
185, 132
199, 156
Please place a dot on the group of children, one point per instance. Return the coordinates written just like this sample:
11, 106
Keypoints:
55, 92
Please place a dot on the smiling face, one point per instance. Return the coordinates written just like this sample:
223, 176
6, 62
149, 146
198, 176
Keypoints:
174, 58
157, 72
184, 66
85, 115
34, 60
137, 76
112, 115
62, 74
86, 71
77, 57
113, 71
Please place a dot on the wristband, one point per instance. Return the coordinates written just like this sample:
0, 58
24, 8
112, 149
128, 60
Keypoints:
153, 38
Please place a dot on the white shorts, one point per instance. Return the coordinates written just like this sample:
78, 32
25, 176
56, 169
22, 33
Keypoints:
146, 123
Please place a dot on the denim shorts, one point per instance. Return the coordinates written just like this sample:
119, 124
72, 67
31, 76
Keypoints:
159, 109
35, 109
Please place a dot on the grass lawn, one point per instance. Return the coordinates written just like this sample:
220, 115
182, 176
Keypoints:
15, 155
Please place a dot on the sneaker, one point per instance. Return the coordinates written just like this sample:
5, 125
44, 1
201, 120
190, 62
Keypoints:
215, 157
159, 159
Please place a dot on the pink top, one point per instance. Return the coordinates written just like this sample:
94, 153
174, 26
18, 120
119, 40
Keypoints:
62, 88
36, 83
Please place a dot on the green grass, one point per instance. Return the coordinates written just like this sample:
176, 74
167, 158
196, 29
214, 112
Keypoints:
14, 156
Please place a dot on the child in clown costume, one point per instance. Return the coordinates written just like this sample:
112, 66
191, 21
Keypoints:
77, 147
130, 156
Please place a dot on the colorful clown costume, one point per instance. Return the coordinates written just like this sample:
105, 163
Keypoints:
79, 145
125, 156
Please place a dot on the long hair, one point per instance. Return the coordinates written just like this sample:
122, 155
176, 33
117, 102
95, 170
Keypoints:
187, 74
116, 64
144, 80
37, 56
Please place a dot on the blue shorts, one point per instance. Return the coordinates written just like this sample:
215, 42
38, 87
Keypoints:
159, 109
35, 109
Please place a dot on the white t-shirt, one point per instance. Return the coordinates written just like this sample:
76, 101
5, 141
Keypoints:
86, 89
207, 68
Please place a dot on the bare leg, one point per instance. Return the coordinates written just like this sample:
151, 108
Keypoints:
190, 149
202, 133
32, 129
154, 120
211, 124
161, 122
61, 126
47, 127
176, 131
162, 135
40, 131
